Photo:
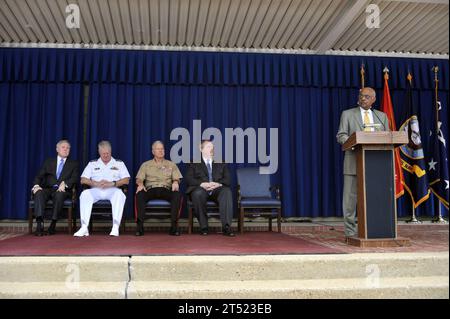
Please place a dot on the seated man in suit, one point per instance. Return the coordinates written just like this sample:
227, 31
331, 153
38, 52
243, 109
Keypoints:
104, 175
360, 118
210, 180
55, 180
158, 179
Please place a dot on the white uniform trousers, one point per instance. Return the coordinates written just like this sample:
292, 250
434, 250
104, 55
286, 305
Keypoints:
89, 196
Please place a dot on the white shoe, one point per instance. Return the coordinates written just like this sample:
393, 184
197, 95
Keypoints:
114, 231
83, 231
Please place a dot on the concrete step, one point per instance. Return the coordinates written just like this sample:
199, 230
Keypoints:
288, 267
380, 275
62, 290
267, 267
62, 269
404, 287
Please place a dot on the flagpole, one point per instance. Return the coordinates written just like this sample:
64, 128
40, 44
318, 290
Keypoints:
413, 219
438, 219
362, 76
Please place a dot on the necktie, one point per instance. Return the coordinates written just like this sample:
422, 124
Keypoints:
366, 121
208, 165
60, 168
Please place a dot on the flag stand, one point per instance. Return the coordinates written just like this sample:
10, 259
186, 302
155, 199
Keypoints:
439, 219
413, 219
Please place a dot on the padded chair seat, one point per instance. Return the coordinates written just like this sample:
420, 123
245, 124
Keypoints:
102, 203
67, 203
158, 203
260, 202
209, 204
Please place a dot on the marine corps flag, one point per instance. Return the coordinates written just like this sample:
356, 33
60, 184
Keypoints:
412, 156
386, 107
437, 164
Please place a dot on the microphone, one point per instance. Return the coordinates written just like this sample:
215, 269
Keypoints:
374, 125
384, 128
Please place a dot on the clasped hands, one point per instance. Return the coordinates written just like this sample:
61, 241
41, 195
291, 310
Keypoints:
102, 184
210, 186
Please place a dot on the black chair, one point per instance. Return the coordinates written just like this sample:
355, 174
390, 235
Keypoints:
255, 197
69, 204
212, 210
103, 208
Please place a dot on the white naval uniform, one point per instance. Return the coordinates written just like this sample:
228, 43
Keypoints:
97, 171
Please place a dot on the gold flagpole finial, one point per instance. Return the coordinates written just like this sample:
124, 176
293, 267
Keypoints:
386, 73
409, 77
435, 70
362, 71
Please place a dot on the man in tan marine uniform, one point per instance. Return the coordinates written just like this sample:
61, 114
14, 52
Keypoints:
158, 178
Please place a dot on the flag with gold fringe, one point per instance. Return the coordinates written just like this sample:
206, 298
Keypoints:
412, 154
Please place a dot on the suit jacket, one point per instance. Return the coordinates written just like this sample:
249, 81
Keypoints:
46, 176
351, 121
197, 173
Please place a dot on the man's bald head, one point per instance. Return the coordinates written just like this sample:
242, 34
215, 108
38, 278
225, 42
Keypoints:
367, 97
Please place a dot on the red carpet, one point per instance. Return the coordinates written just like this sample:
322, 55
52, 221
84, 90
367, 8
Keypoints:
250, 243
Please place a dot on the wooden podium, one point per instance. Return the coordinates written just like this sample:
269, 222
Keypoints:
376, 203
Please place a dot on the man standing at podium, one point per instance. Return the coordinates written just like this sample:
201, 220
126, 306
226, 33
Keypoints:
360, 118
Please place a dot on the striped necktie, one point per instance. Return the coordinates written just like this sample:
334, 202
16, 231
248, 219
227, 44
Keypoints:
366, 121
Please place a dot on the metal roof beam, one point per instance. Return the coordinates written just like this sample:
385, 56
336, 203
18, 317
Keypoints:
342, 25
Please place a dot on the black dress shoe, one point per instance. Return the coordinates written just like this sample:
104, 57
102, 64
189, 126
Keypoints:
52, 228
139, 232
204, 232
139, 229
228, 232
39, 229
174, 232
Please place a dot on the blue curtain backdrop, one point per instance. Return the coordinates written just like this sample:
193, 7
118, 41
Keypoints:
136, 97
33, 117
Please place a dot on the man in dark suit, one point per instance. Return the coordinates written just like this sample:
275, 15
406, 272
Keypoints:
54, 181
210, 180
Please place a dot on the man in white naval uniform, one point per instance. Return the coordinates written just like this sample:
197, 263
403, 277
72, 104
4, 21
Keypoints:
104, 176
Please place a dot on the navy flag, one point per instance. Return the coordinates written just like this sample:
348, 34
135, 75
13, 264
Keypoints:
411, 154
437, 164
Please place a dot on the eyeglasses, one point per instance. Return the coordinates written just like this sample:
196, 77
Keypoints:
367, 97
